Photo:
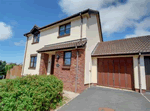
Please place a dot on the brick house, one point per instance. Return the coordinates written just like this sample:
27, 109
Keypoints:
73, 50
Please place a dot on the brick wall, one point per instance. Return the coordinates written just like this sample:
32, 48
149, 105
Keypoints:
14, 72
68, 75
43, 64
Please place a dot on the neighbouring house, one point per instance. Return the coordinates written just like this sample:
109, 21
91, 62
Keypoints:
73, 50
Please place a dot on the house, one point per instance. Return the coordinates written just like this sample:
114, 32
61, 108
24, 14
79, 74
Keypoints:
73, 50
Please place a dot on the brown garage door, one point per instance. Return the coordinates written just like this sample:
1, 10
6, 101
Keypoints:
116, 72
147, 71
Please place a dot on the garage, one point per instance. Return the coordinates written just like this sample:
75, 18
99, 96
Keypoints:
147, 72
116, 72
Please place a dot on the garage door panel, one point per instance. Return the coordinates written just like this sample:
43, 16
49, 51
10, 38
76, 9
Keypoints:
110, 72
105, 73
129, 73
100, 72
116, 73
122, 73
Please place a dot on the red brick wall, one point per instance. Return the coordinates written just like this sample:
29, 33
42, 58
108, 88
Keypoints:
14, 72
68, 75
43, 64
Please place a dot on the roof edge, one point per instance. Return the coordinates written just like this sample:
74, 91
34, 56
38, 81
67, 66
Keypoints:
136, 53
89, 11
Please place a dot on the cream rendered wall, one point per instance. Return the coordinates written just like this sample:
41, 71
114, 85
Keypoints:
94, 70
49, 65
142, 72
92, 39
49, 36
136, 75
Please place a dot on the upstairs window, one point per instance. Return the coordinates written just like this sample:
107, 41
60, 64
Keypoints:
67, 58
64, 29
33, 61
36, 37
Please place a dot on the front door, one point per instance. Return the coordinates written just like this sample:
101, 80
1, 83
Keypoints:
147, 72
52, 64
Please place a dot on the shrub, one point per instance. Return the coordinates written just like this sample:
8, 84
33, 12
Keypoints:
31, 93
8, 67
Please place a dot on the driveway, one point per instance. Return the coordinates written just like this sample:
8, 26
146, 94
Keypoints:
95, 97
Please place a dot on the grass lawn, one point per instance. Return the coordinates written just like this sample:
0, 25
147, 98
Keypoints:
2, 81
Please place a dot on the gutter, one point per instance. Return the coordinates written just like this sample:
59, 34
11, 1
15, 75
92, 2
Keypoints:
140, 83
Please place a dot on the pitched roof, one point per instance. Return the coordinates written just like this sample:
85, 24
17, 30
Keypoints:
64, 45
123, 46
90, 11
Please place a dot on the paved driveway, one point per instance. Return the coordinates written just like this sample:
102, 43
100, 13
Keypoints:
95, 97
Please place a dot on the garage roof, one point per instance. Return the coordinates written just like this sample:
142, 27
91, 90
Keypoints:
123, 47
64, 45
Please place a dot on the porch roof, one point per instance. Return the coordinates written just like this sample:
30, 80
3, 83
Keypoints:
64, 45
123, 47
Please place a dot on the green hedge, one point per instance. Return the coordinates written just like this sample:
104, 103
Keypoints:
31, 93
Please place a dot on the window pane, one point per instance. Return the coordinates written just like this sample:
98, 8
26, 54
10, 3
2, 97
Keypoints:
34, 64
68, 26
38, 36
61, 33
35, 59
32, 58
34, 38
67, 54
68, 31
31, 64
62, 28
67, 61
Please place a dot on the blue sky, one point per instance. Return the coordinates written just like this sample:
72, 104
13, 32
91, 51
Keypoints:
120, 19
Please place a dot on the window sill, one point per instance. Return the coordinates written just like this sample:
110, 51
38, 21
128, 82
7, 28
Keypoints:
31, 68
63, 35
35, 42
66, 67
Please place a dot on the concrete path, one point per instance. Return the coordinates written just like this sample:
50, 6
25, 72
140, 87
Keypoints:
147, 95
96, 97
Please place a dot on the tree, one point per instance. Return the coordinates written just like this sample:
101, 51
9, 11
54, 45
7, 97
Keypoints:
2, 67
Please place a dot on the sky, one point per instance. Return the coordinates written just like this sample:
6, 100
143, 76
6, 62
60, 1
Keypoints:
119, 18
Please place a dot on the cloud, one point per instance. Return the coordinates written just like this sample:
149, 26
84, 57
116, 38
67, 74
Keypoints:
115, 16
141, 28
5, 31
20, 43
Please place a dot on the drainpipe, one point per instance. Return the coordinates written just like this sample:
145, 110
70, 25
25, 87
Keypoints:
81, 26
89, 74
76, 80
140, 84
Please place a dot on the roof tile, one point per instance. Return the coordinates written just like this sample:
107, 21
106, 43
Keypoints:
123, 46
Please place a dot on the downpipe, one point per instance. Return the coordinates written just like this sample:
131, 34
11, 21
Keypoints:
140, 84
76, 83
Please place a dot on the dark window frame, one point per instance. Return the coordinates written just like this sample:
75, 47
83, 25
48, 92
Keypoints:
34, 62
67, 58
36, 36
64, 30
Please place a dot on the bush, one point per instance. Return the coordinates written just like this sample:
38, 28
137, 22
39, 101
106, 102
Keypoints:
31, 93
8, 67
